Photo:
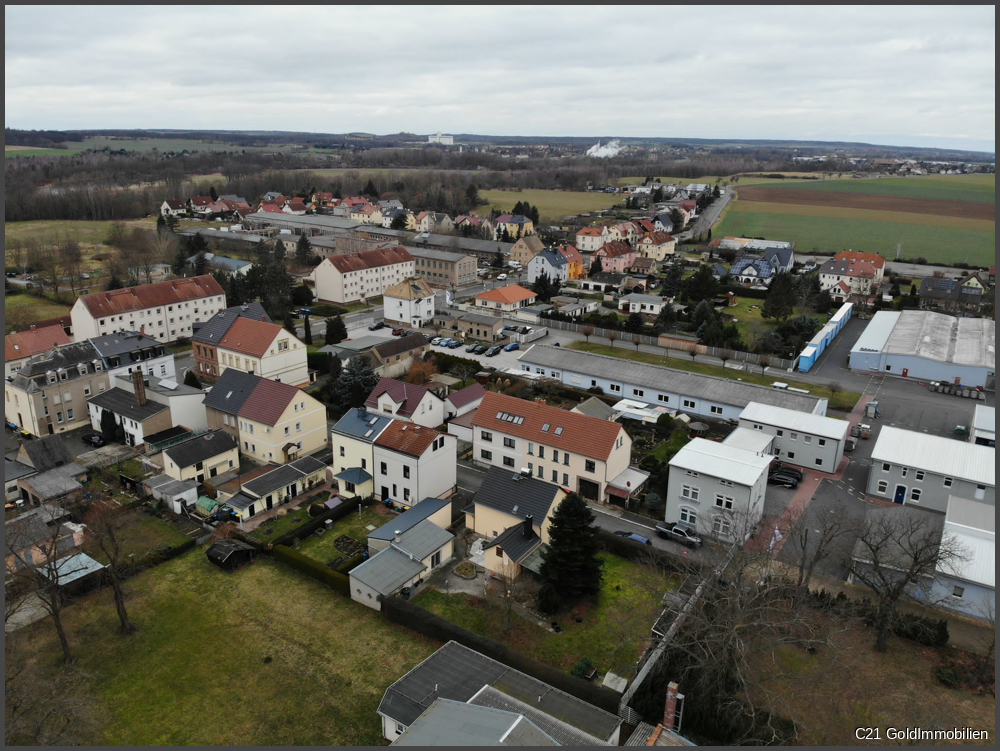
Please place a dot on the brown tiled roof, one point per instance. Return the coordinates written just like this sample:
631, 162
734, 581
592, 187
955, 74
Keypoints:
467, 395
174, 204
201, 200
407, 395
410, 289
615, 249
268, 401
400, 346
659, 238
510, 294
570, 253
34, 341
579, 434
101, 304
407, 438
592, 231
872, 259
249, 336
370, 259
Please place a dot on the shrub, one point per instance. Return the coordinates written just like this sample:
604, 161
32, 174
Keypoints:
549, 599
350, 564
924, 631
582, 668
335, 580
317, 509
947, 676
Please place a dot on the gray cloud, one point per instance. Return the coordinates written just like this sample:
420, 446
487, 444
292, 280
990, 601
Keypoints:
907, 75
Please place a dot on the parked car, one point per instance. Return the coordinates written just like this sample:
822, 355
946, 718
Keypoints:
471, 347
480, 349
501, 277
454, 344
633, 537
494, 351
678, 532
512, 347
437, 340
377, 325
784, 480
779, 468
94, 439
399, 332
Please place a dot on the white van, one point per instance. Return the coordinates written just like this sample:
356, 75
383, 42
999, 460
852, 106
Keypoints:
514, 264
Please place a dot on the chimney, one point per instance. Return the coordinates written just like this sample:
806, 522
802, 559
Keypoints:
528, 525
139, 388
670, 710
264, 319
31, 327
397, 535
142, 330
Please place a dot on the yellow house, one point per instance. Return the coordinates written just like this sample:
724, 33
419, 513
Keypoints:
657, 245
206, 456
525, 249
574, 260
352, 440
517, 226
266, 349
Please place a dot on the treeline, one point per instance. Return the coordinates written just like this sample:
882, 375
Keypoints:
43, 139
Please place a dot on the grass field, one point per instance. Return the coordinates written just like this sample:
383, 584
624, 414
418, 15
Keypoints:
552, 205
143, 144
613, 631
322, 547
147, 533
840, 229
842, 401
41, 309
90, 235
976, 188
263, 656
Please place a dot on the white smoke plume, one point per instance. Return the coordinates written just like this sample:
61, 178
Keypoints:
608, 150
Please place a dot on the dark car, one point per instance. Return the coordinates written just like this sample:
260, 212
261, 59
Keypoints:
376, 326
472, 348
480, 349
513, 346
784, 480
399, 332
779, 468
454, 344
633, 537
94, 439
681, 533
494, 351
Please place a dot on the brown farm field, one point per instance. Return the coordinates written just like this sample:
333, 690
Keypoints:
870, 202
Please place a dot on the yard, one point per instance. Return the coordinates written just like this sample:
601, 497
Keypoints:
552, 205
842, 401
322, 547
146, 534
831, 692
612, 633
36, 308
263, 656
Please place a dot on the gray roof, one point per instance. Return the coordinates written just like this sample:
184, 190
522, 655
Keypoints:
355, 476
362, 424
282, 476
451, 256
459, 673
321, 222
175, 488
655, 377
26, 530
933, 336
32, 375
595, 407
13, 470
508, 491
469, 244
123, 403
552, 258
640, 298
481, 319
423, 539
409, 519
73, 567
212, 330
57, 482
387, 571
561, 732
308, 464
47, 452
202, 448
515, 543
452, 723
779, 257
231, 391
114, 345
166, 386
240, 501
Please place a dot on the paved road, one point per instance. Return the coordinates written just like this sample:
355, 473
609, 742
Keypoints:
707, 220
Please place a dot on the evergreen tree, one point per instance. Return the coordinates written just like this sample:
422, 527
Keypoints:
596, 266
355, 382
109, 425
666, 320
191, 379
236, 290
180, 259
498, 260
171, 222
635, 324
570, 565
336, 367
278, 254
781, 297
673, 284
307, 334
472, 195
161, 225
213, 194
704, 314
263, 253
677, 219
197, 244
288, 322
303, 250
399, 221
200, 264
370, 190
544, 287
702, 285
114, 282
336, 331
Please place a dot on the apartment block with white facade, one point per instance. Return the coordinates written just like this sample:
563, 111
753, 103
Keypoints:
412, 462
809, 441
359, 276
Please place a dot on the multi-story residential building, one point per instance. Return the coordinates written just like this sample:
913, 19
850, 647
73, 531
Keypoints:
165, 311
266, 349
273, 422
967, 294
616, 256
515, 225
718, 489
850, 273
628, 232
130, 351
352, 278
657, 245
810, 441
525, 249
444, 268
577, 452
590, 239
406, 402
49, 393
208, 334
505, 299
925, 470
576, 268
412, 462
276, 487
20, 346
352, 440
551, 264
410, 303
205, 456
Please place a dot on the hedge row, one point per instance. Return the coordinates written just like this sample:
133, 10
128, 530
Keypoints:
405, 613
632, 551
911, 626
335, 580
350, 564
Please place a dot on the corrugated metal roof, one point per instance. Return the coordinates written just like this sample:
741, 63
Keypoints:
792, 419
387, 571
933, 336
756, 441
409, 519
719, 460
942, 456
984, 422
979, 550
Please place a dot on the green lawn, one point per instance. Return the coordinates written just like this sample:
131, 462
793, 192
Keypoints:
665, 451
143, 536
613, 633
975, 188
147, 144
842, 401
322, 548
278, 525
552, 205
39, 309
261, 657
812, 234
749, 316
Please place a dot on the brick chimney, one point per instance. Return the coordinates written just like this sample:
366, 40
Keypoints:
670, 710
139, 387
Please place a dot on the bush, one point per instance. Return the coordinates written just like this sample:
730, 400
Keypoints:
923, 631
947, 677
549, 599
319, 361
335, 580
317, 509
583, 668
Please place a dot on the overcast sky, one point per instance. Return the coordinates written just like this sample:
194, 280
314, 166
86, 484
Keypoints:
911, 75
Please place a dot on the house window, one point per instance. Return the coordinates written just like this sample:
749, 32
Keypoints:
565, 481
690, 492
343, 451
904, 471
508, 461
555, 476
406, 494
822, 441
980, 492
689, 515
915, 495
615, 388
638, 392
721, 526
688, 404
780, 433
723, 501
920, 475
499, 552
486, 436
948, 482
590, 466
958, 592
383, 468
663, 398
436, 559
794, 436
541, 452
691, 473
406, 472
791, 454
508, 443
716, 410
487, 455
808, 439
819, 462
886, 466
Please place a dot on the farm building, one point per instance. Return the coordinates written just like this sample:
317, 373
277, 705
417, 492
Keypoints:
928, 347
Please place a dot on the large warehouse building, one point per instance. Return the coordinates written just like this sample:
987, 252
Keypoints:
928, 347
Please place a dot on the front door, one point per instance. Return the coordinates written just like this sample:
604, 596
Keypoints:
385, 492
900, 496
295, 489
270, 502
906, 372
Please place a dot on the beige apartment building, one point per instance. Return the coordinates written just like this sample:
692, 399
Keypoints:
266, 349
443, 268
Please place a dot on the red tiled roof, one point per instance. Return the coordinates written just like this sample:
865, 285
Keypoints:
297, 205
615, 249
592, 231
370, 259
646, 225
467, 395
34, 341
249, 336
101, 304
659, 238
688, 205
580, 434
475, 221
510, 294
201, 200
570, 253
406, 395
174, 204
407, 438
268, 401
872, 259
271, 208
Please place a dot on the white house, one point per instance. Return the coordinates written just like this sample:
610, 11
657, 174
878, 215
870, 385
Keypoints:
130, 351
810, 441
266, 349
550, 263
406, 402
649, 305
410, 302
412, 462
173, 207
359, 276
718, 489
591, 239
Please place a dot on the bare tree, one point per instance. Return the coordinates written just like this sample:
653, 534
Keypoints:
725, 356
815, 536
71, 262
139, 254
505, 593
613, 336
106, 524
18, 318
897, 555
764, 361
48, 262
587, 331
464, 371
